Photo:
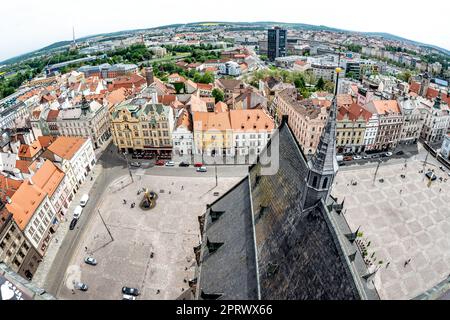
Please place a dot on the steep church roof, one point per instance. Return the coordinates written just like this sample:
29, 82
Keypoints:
258, 242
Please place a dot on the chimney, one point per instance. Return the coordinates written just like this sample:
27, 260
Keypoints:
8, 199
149, 75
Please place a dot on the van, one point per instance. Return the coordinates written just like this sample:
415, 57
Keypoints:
77, 212
84, 200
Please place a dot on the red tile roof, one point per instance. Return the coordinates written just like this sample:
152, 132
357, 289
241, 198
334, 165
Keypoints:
354, 112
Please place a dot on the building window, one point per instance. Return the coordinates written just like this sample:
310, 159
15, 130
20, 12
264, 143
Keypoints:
325, 183
314, 184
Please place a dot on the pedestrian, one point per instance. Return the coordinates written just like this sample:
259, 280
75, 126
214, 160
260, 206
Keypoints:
406, 262
440, 189
387, 265
182, 187
85, 248
73, 291
401, 191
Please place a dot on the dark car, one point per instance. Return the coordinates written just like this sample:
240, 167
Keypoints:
430, 175
130, 291
73, 223
183, 164
400, 153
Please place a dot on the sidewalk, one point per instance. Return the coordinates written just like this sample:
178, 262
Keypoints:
44, 267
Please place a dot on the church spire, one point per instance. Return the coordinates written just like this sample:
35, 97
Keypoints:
323, 164
324, 160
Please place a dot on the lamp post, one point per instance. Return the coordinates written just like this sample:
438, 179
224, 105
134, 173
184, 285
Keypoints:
128, 166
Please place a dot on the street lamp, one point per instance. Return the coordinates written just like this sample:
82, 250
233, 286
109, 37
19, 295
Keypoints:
128, 166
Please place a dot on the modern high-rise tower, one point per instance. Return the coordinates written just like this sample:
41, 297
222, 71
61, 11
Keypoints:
276, 43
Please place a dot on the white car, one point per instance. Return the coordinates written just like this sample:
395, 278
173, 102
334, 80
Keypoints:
84, 200
170, 164
388, 154
357, 157
201, 169
77, 212
128, 297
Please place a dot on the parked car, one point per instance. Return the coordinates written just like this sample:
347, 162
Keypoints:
135, 164
160, 162
339, 158
77, 212
348, 158
170, 163
202, 169
81, 286
130, 291
183, 164
91, 261
442, 168
84, 200
198, 164
367, 156
388, 154
357, 157
73, 223
400, 153
128, 297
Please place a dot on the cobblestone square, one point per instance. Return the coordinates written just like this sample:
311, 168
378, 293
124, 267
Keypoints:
402, 218
170, 231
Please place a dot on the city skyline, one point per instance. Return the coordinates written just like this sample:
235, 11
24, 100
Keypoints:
23, 36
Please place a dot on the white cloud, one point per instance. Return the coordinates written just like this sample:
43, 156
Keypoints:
29, 25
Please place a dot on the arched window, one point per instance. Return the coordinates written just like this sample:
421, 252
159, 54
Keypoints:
325, 183
314, 184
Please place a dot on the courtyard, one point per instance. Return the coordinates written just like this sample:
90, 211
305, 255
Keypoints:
403, 220
149, 250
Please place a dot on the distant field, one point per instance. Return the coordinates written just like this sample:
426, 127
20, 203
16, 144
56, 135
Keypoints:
209, 24
170, 57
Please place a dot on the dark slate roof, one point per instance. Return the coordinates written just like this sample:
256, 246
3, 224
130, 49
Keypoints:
231, 270
301, 254
297, 256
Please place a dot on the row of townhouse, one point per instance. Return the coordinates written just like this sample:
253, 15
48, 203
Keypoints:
384, 124
143, 126
376, 125
32, 205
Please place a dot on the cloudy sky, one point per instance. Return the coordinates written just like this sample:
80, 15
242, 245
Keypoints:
28, 25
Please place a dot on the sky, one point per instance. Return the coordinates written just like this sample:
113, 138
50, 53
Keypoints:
27, 25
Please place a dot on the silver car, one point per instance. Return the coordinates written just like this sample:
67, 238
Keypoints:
91, 261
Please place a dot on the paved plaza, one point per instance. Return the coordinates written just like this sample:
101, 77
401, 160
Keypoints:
169, 231
403, 219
